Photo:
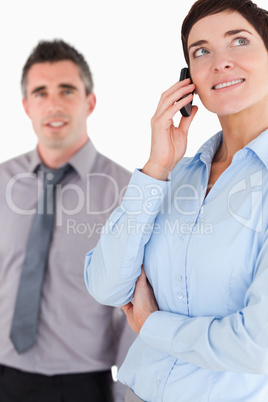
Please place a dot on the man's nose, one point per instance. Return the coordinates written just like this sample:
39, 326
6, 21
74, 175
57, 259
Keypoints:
54, 104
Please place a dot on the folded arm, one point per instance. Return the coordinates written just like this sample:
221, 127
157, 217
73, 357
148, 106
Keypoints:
237, 342
113, 267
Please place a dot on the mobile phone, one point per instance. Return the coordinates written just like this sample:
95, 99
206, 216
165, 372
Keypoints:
186, 110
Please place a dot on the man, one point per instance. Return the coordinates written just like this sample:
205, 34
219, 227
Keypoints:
57, 343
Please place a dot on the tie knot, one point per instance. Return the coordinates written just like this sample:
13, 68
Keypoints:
54, 176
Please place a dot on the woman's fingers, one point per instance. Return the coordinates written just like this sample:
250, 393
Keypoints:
174, 96
129, 312
169, 142
173, 89
186, 121
167, 115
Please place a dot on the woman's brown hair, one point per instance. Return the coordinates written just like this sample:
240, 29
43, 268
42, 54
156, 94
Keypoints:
255, 15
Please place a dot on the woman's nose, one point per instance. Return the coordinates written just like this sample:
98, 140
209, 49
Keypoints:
221, 63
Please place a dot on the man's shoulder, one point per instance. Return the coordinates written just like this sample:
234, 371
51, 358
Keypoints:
22, 160
105, 165
16, 165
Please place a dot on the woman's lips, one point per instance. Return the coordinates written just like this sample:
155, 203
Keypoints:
228, 83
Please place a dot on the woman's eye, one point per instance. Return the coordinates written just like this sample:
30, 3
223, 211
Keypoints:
200, 52
240, 42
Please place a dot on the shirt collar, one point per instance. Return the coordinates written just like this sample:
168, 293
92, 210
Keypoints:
260, 146
82, 161
207, 151
34, 160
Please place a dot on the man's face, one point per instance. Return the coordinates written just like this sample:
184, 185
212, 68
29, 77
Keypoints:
58, 106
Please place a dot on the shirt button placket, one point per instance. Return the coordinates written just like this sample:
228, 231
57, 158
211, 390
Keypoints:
153, 191
181, 291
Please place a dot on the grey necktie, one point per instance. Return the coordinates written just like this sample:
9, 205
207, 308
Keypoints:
26, 313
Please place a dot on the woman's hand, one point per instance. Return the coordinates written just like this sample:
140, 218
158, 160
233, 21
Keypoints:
144, 304
169, 142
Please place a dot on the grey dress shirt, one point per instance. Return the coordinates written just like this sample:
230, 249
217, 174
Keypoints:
75, 333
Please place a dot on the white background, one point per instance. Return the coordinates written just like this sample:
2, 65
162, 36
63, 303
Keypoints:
134, 50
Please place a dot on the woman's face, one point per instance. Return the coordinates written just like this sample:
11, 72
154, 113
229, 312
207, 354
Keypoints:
228, 63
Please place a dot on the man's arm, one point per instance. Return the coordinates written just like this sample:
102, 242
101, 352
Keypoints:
124, 337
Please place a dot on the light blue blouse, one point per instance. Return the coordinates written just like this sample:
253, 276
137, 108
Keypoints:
207, 260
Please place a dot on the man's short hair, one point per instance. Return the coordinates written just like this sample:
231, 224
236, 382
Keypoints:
53, 51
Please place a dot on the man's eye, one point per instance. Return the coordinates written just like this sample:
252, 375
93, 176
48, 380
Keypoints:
40, 94
201, 52
240, 42
67, 91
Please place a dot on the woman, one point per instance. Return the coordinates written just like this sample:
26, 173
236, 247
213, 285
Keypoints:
199, 226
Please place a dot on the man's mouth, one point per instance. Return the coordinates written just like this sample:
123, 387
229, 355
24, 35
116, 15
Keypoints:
56, 123
228, 84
